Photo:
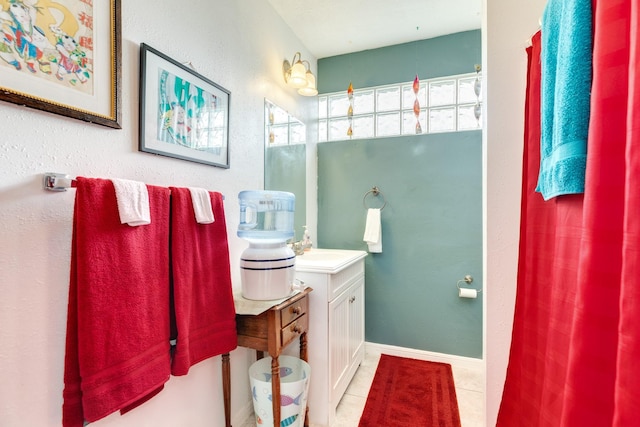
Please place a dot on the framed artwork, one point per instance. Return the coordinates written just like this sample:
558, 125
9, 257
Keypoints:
63, 57
182, 113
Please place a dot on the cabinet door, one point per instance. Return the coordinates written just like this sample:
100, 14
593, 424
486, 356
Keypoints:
339, 351
356, 321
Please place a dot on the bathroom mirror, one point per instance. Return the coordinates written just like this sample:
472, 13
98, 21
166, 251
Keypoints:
285, 159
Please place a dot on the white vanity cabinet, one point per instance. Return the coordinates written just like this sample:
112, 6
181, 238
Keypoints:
336, 325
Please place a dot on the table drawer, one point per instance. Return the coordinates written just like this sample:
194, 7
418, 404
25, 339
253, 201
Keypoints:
294, 329
293, 311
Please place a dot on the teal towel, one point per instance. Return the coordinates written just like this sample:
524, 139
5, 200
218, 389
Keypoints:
566, 60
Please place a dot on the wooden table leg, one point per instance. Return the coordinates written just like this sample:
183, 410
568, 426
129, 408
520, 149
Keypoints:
303, 356
275, 390
303, 346
226, 388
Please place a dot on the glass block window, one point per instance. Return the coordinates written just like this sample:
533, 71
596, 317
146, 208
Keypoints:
364, 101
466, 118
409, 122
338, 105
408, 97
388, 98
281, 128
338, 128
322, 107
466, 94
442, 93
365, 126
388, 124
297, 133
447, 104
442, 119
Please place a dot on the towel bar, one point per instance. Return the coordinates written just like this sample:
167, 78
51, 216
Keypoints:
57, 181
52, 181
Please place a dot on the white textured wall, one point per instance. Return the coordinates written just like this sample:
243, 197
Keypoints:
238, 44
507, 26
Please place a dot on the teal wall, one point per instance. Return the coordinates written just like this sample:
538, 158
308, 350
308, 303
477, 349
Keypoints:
432, 223
431, 228
441, 56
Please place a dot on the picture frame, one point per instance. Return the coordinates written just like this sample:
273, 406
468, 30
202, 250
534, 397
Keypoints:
63, 57
182, 113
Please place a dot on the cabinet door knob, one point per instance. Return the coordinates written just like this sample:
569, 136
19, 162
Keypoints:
352, 299
296, 310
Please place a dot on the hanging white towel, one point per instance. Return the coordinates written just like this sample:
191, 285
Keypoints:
373, 231
201, 205
133, 202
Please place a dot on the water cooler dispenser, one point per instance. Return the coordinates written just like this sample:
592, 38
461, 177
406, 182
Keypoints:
267, 266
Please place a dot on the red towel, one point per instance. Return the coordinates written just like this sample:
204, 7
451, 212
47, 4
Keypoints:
203, 297
117, 348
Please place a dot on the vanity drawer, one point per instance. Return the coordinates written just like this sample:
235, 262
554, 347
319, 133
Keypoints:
294, 329
293, 311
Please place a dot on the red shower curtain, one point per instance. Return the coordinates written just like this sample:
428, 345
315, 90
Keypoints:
575, 352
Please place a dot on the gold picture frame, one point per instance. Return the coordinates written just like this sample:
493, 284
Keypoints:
63, 57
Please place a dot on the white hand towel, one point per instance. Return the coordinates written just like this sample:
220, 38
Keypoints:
133, 202
373, 231
202, 205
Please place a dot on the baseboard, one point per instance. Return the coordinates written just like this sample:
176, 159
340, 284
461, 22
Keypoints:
453, 360
241, 417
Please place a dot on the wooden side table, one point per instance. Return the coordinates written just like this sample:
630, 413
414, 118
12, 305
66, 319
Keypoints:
271, 331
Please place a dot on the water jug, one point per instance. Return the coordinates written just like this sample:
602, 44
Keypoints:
266, 216
267, 266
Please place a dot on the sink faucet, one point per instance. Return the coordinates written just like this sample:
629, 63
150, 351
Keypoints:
297, 247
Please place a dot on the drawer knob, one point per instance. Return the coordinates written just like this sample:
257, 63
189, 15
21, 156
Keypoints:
297, 329
296, 310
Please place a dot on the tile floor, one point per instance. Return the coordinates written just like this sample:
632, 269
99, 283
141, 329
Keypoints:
469, 390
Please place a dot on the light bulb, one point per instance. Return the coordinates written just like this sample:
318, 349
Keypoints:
297, 77
310, 88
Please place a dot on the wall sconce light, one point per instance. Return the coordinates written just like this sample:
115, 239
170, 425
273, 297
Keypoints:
299, 75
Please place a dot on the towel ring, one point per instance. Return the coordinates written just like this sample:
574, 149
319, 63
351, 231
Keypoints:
376, 192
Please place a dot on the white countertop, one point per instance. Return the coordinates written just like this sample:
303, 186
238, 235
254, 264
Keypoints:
327, 260
255, 307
